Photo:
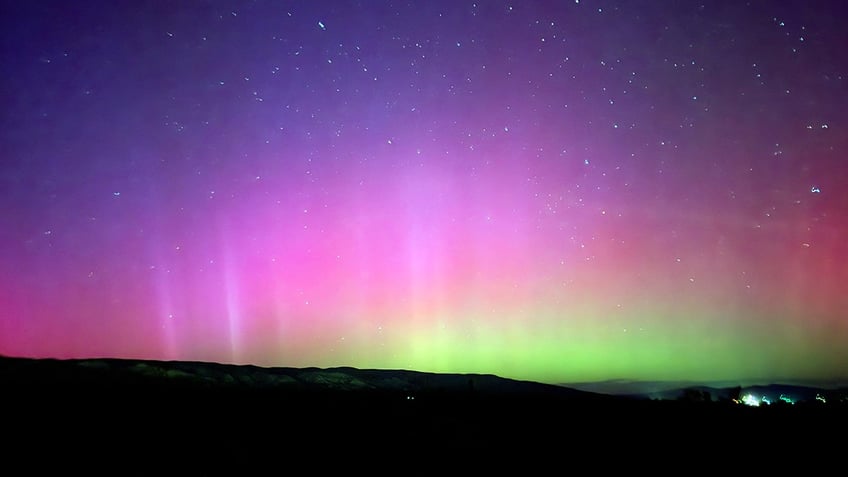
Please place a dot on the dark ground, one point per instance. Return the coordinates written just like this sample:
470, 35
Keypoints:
91, 420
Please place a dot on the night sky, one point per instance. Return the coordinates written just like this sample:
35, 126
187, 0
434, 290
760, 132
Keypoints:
554, 191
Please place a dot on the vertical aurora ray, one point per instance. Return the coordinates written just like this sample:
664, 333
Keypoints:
233, 311
166, 314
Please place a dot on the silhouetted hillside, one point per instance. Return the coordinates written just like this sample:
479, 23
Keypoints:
116, 373
211, 417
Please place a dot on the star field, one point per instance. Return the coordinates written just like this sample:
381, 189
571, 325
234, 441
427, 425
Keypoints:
555, 191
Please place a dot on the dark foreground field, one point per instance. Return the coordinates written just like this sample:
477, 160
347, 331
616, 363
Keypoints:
129, 417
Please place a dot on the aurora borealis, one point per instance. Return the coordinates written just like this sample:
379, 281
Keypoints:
554, 191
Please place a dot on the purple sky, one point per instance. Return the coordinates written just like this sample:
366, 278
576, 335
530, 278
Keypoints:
542, 190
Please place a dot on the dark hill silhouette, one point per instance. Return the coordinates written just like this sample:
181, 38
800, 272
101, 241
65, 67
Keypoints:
116, 373
217, 418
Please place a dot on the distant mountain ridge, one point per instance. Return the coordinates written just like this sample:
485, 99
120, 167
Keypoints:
798, 390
